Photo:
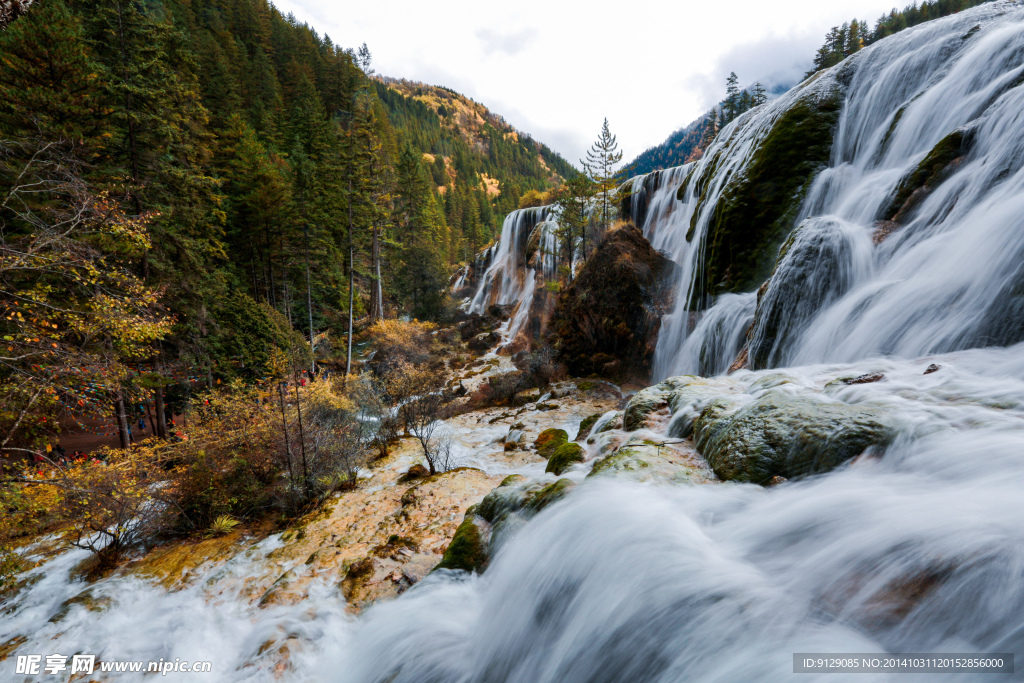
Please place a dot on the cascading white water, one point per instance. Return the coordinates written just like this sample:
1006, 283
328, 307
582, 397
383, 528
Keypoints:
508, 279
950, 277
921, 549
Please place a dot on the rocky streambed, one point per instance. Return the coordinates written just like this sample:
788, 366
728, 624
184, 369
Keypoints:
274, 605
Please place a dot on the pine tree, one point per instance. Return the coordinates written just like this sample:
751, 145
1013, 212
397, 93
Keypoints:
602, 157
731, 103
758, 96
573, 217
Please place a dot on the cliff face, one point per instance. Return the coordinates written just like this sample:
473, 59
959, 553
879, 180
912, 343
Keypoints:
606, 321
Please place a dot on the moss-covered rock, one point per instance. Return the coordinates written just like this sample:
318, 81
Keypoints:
755, 211
564, 457
586, 425
506, 508
549, 440
646, 462
512, 480
549, 494
642, 404
786, 434
468, 549
606, 321
940, 163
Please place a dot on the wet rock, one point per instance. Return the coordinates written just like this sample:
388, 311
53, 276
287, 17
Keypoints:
646, 461
782, 434
865, 379
87, 599
564, 457
549, 440
586, 424
468, 549
931, 368
482, 342
756, 210
606, 321
818, 263
939, 164
414, 472
643, 403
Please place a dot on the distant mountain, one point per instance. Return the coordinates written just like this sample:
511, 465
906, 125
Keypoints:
467, 146
680, 147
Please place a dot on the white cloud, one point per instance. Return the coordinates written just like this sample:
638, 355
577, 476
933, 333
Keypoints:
510, 43
556, 68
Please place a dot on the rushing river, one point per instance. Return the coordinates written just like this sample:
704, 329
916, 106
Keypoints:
917, 549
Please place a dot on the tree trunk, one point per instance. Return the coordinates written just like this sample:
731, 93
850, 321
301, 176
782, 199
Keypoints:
351, 279
302, 435
377, 294
309, 304
287, 439
122, 420
161, 416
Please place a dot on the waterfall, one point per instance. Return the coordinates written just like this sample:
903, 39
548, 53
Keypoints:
509, 278
895, 284
940, 101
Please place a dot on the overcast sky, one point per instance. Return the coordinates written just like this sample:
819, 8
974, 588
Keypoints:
556, 68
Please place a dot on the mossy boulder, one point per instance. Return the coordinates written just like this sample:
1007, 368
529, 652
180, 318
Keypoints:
755, 211
508, 507
564, 457
786, 434
549, 440
606, 321
585, 426
468, 549
642, 404
646, 462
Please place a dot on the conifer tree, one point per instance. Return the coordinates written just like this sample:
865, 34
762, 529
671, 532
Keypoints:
602, 158
731, 104
757, 95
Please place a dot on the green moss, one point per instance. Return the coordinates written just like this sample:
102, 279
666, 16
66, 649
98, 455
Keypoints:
550, 494
564, 457
586, 385
784, 435
549, 440
758, 206
511, 480
585, 426
928, 174
467, 551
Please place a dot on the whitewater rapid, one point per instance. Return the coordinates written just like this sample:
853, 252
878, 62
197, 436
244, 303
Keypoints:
917, 549
949, 278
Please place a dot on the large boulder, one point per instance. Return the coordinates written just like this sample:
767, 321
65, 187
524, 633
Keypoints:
549, 440
786, 434
606, 321
564, 457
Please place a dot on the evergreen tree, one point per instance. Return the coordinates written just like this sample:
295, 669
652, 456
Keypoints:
731, 104
757, 95
602, 158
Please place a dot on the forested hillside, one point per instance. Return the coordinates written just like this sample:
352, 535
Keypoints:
192, 190
479, 164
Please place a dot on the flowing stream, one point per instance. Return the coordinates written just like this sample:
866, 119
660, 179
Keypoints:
918, 549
